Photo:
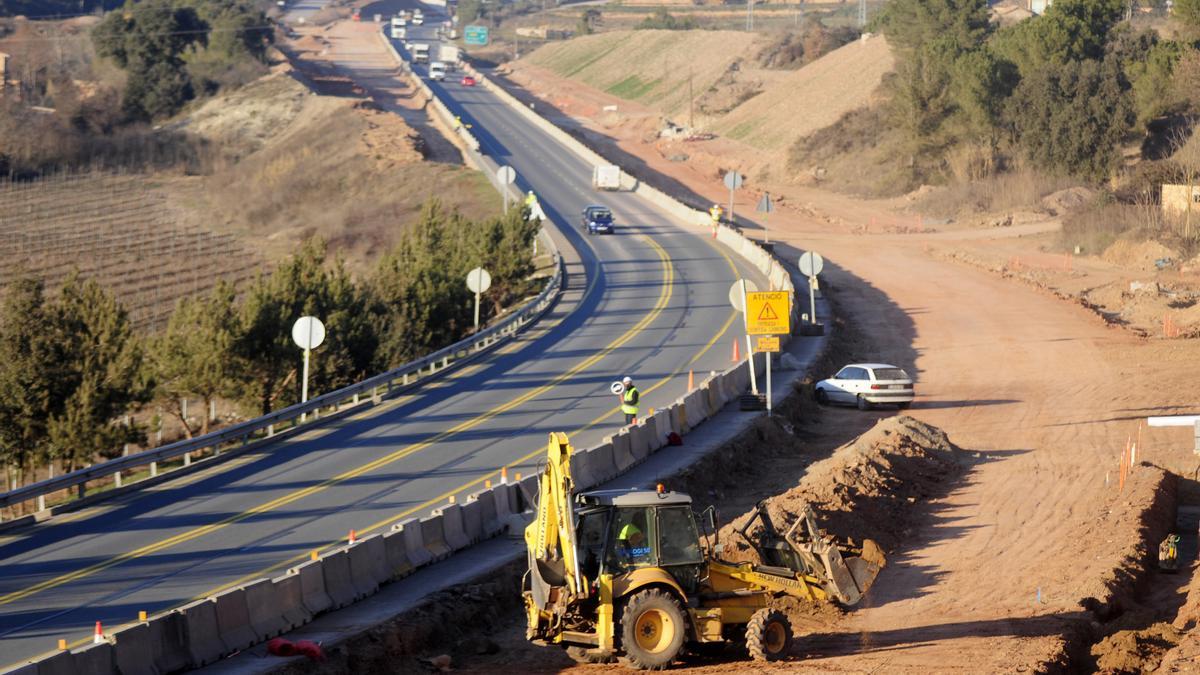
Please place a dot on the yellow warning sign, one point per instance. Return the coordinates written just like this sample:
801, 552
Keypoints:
767, 344
767, 313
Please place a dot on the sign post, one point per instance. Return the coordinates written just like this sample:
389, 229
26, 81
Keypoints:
767, 313
478, 281
308, 333
507, 176
737, 298
765, 207
733, 181
811, 264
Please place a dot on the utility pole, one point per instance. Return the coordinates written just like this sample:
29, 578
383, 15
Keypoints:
862, 14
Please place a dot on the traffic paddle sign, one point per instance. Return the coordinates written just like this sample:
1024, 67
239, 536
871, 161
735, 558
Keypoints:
767, 313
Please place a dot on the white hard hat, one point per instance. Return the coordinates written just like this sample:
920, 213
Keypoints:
628, 380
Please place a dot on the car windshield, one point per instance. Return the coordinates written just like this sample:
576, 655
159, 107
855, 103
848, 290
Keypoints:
600, 215
891, 374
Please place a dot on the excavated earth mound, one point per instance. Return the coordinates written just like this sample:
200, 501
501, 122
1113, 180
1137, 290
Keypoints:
868, 488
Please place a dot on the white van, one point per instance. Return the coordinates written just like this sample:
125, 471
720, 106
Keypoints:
437, 71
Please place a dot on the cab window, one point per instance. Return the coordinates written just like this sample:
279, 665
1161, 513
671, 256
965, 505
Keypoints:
678, 543
590, 535
631, 535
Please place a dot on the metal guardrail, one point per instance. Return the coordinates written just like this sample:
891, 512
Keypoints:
243, 432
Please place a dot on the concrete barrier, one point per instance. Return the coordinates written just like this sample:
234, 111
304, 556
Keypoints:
94, 659
601, 463
714, 394
507, 501
489, 522
204, 644
339, 584
639, 440
528, 490
472, 518
581, 469
696, 408
264, 609
622, 444
452, 526
368, 565
291, 601
679, 420
404, 548
233, 620
134, 649
169, 633
58, 663
313, 595
434, 538
663, 426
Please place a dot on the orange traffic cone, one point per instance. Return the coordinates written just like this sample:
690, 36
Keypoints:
352, 538
692, 380
98, 636
736, 355
504, 475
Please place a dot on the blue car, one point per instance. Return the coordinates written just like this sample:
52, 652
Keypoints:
597, 220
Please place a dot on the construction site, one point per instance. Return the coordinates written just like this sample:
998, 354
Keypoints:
1037, 508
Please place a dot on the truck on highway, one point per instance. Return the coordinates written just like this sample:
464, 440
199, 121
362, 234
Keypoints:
418, 18
448, 54
399, 21
606, 177
437, 71
420, 52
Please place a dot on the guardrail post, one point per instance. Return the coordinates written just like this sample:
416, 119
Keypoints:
356, 396
445, 362
153, 469
187, 458
82, 489
270, 430
117, 478
41, 503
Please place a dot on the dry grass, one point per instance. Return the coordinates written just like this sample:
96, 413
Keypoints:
1018, 190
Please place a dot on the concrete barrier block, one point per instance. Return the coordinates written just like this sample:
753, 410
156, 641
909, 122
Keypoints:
624, 455
679, 423
414, 547
312, 587
507, 501
662, 428
27, 668
639, 441
472, 518
204, 644
489, 523
368, 565
434, 538
695, 408
233, 620
169, 637
715, 394
264, 609
134, 650
602, 464
339, 584
58, 663
94, 659
291, 602
527, 492
582, 472
452, 526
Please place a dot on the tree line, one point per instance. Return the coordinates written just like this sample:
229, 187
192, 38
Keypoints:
72, 369
1062, 90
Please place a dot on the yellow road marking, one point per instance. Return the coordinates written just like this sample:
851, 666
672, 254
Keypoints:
284, 500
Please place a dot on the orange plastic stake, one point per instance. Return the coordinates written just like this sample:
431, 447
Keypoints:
692, 377
504, 475
62, 645
352, 538
736, 355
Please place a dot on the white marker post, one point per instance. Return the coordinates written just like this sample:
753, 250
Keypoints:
506, 176
478, 281
308, 333
737, 298
811, 264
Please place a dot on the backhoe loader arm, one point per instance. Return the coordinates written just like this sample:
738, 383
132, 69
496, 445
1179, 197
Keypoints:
550, 538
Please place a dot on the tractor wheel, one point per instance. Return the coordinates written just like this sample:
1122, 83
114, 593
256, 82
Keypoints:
585, 655
768, 635
652, 629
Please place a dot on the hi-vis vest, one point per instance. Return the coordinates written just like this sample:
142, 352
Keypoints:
629, 401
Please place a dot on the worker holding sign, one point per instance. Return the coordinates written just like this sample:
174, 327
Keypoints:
629, 400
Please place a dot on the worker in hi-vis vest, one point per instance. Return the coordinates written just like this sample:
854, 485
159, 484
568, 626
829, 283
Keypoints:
629, 401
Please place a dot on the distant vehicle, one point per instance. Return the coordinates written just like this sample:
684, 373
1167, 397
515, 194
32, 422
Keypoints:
437, 71
399, 22
597, 220
399, 32
418, 18
467, 81
448, 54
420, 52
867, 384
606, 177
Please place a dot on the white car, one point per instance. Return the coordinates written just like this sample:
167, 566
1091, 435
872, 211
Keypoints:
437, 71
866, 384
418, 20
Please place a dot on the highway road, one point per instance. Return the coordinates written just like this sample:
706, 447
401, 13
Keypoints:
649, 301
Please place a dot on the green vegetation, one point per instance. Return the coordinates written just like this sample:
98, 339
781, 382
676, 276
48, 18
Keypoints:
169, 47
71, 366
661, 19
632, 87
1062, 91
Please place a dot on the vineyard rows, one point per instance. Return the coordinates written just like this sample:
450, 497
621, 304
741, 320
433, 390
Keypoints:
118, 231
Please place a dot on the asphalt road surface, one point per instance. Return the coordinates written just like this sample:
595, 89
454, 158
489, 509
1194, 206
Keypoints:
649, 301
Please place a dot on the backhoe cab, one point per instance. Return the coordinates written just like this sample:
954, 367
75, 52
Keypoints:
625, 573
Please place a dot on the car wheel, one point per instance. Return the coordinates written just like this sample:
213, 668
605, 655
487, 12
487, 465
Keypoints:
863, 403
822, 397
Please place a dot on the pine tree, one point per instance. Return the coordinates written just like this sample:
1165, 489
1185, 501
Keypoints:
195, 356
30, 387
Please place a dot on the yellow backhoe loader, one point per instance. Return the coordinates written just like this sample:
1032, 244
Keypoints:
625, 573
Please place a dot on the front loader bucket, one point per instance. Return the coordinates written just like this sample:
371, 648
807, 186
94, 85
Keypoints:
851, 576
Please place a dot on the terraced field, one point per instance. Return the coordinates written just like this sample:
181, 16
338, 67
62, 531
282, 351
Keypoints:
118, 230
